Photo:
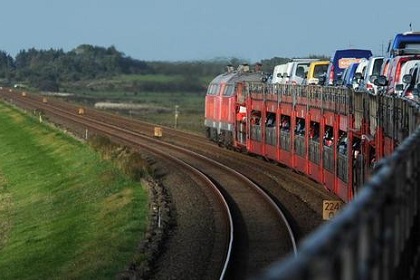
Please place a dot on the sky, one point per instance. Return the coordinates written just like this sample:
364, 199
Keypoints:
190, 30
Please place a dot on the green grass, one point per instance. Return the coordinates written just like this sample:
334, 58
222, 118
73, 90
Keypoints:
64, 213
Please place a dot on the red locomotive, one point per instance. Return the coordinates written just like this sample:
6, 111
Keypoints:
224, 112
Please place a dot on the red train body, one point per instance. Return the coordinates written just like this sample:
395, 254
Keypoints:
324, 132
223, 107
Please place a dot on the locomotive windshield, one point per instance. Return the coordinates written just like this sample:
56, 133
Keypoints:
229, 90
213, 89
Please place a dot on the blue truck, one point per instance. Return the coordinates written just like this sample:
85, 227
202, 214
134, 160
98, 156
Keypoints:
342, 59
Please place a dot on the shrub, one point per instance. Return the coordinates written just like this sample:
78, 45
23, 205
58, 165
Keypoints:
128, 161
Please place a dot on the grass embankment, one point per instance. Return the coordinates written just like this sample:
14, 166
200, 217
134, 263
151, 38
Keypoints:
64, 212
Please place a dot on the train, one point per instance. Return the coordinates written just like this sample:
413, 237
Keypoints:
334, 135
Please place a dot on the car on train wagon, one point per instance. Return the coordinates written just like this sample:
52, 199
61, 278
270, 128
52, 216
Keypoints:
297, 70
404, 44
279, 73
373, 70
361, 68
347, 79
412, 83
359, 73
395, 71
340, 61
317, 70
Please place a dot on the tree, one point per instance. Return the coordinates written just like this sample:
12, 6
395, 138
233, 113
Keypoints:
7, 66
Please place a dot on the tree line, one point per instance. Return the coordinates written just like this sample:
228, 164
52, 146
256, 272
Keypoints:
50, 69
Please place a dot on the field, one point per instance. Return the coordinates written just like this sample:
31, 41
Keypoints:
64, 212
153, 106
159, 108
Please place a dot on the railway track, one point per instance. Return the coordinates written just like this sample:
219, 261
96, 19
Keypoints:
260, 227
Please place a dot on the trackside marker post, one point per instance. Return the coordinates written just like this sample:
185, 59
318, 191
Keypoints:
158, 132
330, 208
